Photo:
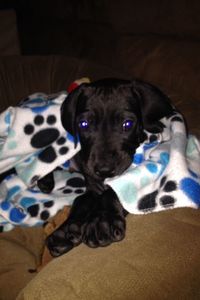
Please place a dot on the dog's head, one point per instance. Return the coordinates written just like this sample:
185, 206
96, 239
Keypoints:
109, 117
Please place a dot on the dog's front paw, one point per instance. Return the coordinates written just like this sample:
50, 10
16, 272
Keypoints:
70, 233
65, 238
103, 229
57, 243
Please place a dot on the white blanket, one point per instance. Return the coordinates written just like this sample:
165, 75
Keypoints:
165, 172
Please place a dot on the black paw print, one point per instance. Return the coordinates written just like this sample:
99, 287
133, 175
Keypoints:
49, 154
43, 213
74, 185
42, 137
149, 203
167, 186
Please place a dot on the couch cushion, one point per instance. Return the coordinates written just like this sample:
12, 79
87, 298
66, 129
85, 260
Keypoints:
23, 75
20, 250
159, 259
9, 41
167, 17
148, 262
171, 64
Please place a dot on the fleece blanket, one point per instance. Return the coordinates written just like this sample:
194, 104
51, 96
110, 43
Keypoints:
165, 172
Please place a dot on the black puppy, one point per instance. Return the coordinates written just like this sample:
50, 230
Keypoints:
108, 117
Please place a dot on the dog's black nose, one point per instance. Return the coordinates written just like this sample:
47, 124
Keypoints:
104, 171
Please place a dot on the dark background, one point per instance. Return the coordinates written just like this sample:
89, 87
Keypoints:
158, 41
85, 27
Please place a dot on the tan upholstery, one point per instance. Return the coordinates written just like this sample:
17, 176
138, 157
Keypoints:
157, 41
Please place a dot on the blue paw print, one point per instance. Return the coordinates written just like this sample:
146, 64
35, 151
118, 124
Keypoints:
149, 145
71, 138
42, 105
138, 158
16, 215
152, 168
164, 157
27, 201
14, 190
191, 188
7, 118
39, 109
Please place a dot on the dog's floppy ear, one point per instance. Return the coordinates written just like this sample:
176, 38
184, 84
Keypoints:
69, 109
154, 105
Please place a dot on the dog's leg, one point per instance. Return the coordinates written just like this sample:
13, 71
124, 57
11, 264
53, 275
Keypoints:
70, 233
96, 220
107, 223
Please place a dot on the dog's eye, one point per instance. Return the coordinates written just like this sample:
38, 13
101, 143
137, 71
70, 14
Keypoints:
84, 124
127, 125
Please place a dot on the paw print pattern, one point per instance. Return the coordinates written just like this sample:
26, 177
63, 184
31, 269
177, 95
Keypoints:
42, 137
50, 154
191, 188
153, 138
41, 211
74, 185
149, 202
168, 187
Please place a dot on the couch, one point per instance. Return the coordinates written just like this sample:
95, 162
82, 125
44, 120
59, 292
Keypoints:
157, 41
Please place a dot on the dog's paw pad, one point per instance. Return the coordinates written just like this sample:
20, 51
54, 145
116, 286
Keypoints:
57, 243
118, 229
103, 230
74, 233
